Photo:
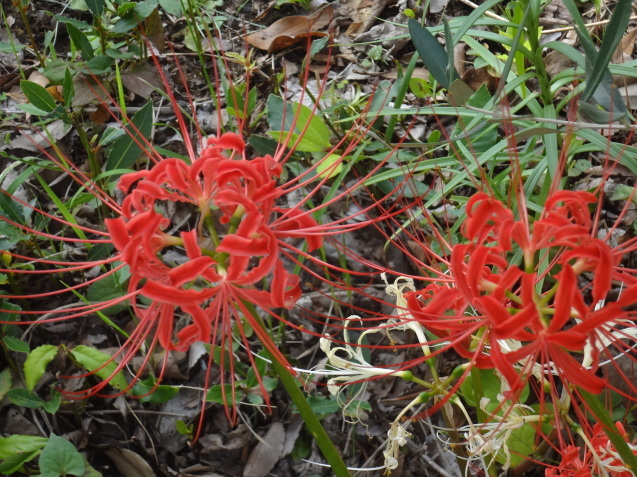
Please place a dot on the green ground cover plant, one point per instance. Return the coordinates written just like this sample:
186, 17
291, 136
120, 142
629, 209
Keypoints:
165, 227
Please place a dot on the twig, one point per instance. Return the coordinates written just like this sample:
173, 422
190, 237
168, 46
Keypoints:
588, 25
487, 13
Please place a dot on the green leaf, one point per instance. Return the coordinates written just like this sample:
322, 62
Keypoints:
216, 394
24, 398
80, 41
15, 344
98, 64
110, 288
68, 88
38, 95
145, 8
73, 21
171, 6
14, 463
126, 23
432, 53
452, 74
95, 6
55, 70
299, 123
53, 405
5, 382
17, 444
323, 405
160, 394
612, 36
126, 150
329, 166
60, 457
30, 109
100, 364
36, 363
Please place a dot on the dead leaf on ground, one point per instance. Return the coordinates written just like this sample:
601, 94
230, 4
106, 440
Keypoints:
225, 441
624, 50
267, 452
142, 80
363, 14
290, 30
35, 141
130, 463
477, 77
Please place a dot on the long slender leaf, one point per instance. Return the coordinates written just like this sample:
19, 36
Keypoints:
612, 36
431, 52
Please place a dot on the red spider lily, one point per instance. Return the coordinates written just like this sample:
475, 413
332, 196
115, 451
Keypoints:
598, 458
548, 315
230, 253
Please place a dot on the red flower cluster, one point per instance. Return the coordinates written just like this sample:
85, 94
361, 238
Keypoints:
231, 245
599, 458
530, 310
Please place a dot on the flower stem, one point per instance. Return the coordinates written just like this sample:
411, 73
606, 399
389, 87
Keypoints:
622, 447
311, 421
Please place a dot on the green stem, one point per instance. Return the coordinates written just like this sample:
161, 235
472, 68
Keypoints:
311, 421
400, 96
599, 411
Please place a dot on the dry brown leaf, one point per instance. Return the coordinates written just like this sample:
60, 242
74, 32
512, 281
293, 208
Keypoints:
477, 77
624, 50
130, 463
267, 452
290, 30
142, 80
363, 13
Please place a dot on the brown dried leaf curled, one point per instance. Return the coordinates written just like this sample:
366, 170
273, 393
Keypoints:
290, 30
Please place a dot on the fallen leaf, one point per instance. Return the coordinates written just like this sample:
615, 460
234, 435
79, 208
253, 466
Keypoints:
267, 452
225, 441
142, 80
130, 463
477, 77
290, 30
624, 50
363, 13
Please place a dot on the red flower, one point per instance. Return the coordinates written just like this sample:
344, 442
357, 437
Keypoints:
542, 321
599, 457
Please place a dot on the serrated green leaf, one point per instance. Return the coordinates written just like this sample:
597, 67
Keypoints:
17, 444
99, 364
60, 457
126, 150
15, 344
36, 363
38, 96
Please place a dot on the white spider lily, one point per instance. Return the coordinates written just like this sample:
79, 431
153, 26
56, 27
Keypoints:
349, 363
396, 438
